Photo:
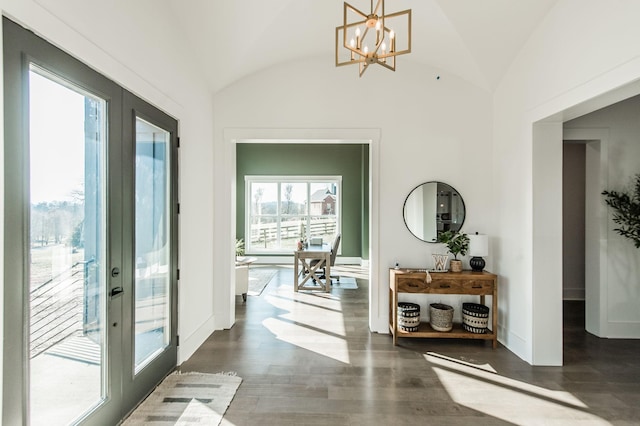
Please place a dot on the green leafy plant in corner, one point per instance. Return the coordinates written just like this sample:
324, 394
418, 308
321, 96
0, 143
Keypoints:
456, 242
626, 208
239, 247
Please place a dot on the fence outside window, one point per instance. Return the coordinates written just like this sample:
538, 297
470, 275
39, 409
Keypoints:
282, 210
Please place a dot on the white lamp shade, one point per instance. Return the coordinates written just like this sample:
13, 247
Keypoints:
478, 245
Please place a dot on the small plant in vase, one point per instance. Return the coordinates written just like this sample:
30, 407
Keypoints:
458, 244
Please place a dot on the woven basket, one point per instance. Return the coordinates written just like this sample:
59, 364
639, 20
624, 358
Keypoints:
475, 317
441, 316
408, 324
408, 316
407, 309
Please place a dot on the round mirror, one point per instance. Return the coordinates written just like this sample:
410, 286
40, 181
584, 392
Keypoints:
432, 208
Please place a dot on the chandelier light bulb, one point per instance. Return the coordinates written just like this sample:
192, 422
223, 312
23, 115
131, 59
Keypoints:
392, 36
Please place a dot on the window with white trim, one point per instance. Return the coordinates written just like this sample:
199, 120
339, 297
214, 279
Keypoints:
282, 210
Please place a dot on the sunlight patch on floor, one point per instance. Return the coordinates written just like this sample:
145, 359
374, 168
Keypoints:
355, 271
312, 320
481, 389
436, 358
302, 300
316, 341
323, 317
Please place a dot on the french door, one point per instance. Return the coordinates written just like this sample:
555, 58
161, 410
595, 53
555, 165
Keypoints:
90, 240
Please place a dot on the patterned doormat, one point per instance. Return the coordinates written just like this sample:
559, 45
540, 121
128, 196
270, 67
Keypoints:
187, 399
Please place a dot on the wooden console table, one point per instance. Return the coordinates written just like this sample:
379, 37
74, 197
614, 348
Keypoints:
463, 283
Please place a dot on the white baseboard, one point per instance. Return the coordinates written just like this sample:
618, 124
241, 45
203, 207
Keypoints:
380, 326
189, 344
515, 344
623, 330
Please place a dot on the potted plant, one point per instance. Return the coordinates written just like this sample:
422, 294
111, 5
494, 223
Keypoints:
627, 211
457, 243
239, 247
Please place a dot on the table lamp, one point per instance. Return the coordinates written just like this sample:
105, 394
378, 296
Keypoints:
478, 247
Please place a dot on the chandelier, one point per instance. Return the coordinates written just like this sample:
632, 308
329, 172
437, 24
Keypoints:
369, 38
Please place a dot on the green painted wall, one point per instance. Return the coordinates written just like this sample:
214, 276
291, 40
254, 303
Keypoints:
351, 161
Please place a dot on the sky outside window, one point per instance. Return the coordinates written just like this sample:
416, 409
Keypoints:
57, 127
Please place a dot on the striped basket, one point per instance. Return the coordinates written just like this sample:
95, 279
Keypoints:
475, 318
408, 316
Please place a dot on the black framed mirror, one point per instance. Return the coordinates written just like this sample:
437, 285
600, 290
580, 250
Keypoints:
432, 208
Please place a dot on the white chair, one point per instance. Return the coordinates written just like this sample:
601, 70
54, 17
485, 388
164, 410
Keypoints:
242, 275
242, 281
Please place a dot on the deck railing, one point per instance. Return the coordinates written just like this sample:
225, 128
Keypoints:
57, 307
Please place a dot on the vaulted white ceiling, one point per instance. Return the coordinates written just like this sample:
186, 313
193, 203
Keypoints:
474, 39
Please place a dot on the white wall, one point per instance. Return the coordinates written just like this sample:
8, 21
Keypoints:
583, 49
622, 316
422, 139
137, 45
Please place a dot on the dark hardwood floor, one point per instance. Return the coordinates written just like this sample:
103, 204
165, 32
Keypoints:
309, 359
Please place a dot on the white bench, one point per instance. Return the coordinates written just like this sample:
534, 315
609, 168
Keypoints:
242, 275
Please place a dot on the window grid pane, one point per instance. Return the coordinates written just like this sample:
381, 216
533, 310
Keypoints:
284, 210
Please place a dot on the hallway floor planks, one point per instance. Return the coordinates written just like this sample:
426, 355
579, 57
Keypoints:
309, 359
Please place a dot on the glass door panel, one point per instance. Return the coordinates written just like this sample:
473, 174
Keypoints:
67, 303
152, 243
90, 228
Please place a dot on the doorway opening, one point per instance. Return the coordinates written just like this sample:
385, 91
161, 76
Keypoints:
573, 235
585, 171
288, 192
368, 139
548, 136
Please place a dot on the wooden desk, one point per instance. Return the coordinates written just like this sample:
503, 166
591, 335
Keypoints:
465, 283
302, 258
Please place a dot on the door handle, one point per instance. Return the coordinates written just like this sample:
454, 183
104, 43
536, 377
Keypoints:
116, 291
